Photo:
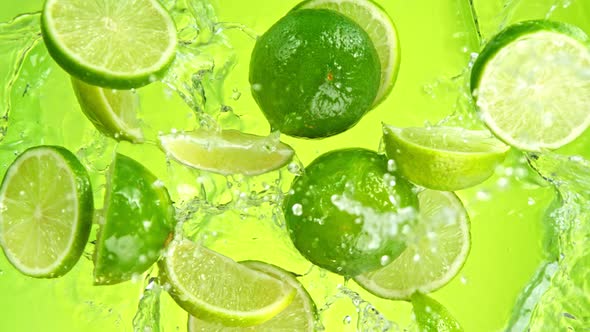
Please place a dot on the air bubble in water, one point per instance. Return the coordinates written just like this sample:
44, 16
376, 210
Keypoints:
297, 209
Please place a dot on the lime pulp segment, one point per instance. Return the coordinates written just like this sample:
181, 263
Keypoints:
46, 211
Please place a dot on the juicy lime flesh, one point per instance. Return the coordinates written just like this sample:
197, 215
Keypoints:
432, 316
300, 315
315, 73
533, 92
227, 152
215, 288
434, 254
346, 211
138, 219
380, 28
46, 211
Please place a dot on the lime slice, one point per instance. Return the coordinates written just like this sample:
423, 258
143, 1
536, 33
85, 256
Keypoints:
380, 28
444, 158
300, 315
435, 255
45, 211
227, 152
135, 224
213, 287
112, 112
432, 316
119, 44
528, 82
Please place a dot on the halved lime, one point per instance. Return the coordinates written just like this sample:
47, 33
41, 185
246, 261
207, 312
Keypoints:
300, 315
380, 28
137, 219
434, 256
531, 84
46, 211
444, 158
215, 288
432, 316
112, 112
227, 152
119, 44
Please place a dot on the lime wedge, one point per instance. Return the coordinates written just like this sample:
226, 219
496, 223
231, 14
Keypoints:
136, 221
432, 316
213, 287
227, 152
380, 28
45, 211
299, 316
119, 44
444, 158
112, 112
530, 83
436, 254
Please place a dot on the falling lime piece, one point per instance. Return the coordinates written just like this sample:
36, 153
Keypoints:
432, 316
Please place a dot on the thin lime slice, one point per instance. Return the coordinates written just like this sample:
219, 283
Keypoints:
531, 84
300, 315
135, 224
45, 211
432, 316
380, 28
444, 158
119, 44
112, 112
436, 254
213, 287
227, 152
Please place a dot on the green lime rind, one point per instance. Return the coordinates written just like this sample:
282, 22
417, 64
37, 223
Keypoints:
444, 158
300, 315
137, 220
432, 316
215, 288
56, 187
112, 112
148, 58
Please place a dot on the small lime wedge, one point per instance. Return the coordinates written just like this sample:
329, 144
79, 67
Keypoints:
215, 288
136, 221
444, 158
432, 316
112, 112
46, 211
439, 249
530, 83
300, 315
227, 152
380, 28
119, 44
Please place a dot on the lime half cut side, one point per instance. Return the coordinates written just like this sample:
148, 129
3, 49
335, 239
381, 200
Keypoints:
119, 44
531, 84
112, 112
300, 315
227, 152
380, 28
46, 211
444, 158
436, 254
215, 288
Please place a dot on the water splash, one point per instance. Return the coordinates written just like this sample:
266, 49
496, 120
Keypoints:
147, 318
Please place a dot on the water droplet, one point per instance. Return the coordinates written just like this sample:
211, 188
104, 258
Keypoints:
385, 259
391, 165
483, 195
531, 201
463, 280
416, 257
297, 209
236, 94
347, 319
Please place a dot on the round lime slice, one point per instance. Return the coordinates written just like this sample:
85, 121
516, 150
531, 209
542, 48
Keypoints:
380, 28
112, 112
300, 315
136, 221
215, 288
432, 316
444, 158
528, 84
46, 211
227, 152
436, 254
119, 44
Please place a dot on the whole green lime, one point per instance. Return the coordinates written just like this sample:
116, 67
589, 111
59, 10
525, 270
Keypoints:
348, 214
315, 73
